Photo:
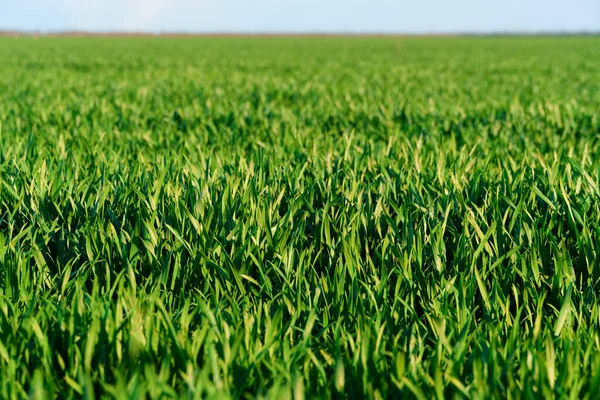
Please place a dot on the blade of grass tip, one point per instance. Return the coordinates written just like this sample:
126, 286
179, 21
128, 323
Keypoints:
482, 288
339, 376
564, 312
550, 362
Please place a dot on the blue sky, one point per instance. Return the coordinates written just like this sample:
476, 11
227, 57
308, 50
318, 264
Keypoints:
376, 16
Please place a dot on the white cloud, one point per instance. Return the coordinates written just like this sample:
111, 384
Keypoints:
139, 14
130, 15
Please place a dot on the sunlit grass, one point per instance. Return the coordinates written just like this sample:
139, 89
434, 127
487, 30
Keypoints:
363, 218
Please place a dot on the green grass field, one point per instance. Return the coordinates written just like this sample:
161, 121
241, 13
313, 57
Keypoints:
308, 217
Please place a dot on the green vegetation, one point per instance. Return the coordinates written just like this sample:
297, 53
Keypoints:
361, 218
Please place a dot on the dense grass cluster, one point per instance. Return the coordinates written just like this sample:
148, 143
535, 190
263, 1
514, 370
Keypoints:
362, 218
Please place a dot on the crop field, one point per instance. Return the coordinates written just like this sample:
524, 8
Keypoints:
300, 217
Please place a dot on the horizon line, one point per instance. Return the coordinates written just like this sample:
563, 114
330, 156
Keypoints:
299, 34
